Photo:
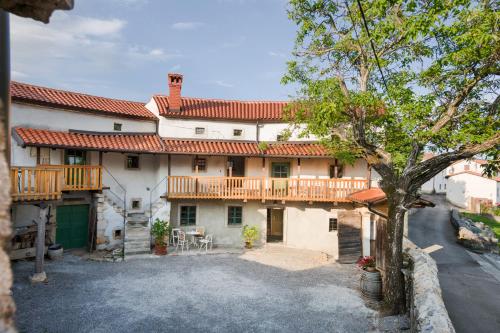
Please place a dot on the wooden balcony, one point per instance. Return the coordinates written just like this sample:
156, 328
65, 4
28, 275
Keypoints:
263, 188
47, 182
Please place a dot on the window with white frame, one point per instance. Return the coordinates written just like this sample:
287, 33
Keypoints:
117, 127
199, 130
237, 132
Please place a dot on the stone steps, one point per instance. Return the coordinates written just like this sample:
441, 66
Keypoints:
137, 233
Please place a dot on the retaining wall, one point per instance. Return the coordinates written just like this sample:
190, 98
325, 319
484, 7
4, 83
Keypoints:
423, 293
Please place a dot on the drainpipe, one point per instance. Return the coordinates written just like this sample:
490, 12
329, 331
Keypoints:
5, 80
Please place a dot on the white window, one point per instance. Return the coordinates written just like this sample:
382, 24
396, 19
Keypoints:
237, 132
117, 127
199, 130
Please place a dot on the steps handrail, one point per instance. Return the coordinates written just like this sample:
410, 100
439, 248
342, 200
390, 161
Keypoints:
151, 198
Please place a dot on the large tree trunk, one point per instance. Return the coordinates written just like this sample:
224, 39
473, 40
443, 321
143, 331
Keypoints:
393, 280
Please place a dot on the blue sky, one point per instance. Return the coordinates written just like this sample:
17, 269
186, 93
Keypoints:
232, 49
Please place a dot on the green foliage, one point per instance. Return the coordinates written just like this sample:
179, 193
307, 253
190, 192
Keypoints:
494, 225
438, 57
263, 146
160, 229
250, 234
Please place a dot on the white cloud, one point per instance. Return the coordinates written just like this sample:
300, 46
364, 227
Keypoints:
75, 46
186, 25
235, 43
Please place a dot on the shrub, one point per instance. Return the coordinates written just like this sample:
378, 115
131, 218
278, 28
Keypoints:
159, 230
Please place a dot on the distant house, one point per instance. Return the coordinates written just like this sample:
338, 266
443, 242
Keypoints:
468, 187
464, 184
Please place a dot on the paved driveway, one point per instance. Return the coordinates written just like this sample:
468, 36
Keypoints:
209, 293
471, 296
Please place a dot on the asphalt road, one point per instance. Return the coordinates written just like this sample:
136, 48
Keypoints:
471, 295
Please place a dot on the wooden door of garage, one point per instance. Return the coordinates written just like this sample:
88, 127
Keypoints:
349, 233
72, 226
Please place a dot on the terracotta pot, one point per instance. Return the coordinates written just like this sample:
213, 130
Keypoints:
160, 250
248, 245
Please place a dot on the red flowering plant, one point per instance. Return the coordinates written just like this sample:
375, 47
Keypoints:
367, 263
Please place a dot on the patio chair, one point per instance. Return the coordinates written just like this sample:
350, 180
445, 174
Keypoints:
175, 236
182, 241
204, 242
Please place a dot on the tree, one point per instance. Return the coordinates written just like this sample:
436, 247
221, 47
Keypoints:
386, 80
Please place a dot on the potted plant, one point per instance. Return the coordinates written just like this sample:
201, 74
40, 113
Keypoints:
371, 280
250, 235
159, 230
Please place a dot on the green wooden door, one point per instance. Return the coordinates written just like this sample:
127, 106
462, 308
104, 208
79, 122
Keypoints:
72, 226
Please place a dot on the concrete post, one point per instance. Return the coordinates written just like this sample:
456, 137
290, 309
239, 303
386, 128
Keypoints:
40, 275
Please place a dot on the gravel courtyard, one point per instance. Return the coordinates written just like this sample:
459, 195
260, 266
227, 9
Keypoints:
209, 293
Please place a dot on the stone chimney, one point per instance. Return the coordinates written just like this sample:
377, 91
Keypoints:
174, 86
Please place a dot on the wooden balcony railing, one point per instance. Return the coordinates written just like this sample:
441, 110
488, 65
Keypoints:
47, 182
34, 183
82, 177
263, 188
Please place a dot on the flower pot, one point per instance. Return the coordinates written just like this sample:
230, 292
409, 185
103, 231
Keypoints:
160, 250
371, 285
248, 245
55, 251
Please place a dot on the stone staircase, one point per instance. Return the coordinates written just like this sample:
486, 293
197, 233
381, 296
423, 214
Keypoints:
137, 233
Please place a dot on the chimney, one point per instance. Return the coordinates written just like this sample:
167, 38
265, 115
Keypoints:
174, 86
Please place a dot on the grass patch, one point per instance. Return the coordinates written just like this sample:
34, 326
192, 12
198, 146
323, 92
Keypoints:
494, 225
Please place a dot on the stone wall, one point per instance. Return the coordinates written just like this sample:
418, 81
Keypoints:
424, 300
474, 235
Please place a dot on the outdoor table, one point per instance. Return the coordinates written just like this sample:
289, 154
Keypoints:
194, 234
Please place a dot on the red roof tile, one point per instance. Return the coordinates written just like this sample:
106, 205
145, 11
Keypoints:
106, 142
368, 196
27, 93
199, 108
296, 149
210, 147
152, 143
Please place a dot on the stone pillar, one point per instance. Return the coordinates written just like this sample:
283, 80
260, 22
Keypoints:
40, 275
98, 203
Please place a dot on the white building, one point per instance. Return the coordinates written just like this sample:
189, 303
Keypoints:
208, 163
464, 184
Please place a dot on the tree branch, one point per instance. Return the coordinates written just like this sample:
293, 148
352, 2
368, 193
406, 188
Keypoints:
425, 170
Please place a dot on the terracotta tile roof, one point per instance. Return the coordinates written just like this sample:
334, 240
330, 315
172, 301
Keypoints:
152, 143
478, 174
368, 196
199, 108
296, 149
27, 93
210, 147
106, 142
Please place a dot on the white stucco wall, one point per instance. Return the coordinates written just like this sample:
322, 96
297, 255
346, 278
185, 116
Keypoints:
219, 130
27, 156
212, 215
462, 187
182, 165
135, 182
437, 184
58, 119
306, 227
